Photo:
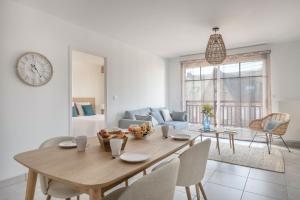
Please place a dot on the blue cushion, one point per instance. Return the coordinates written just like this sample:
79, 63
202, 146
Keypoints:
74, 111
157, 115
88, 110
271, 125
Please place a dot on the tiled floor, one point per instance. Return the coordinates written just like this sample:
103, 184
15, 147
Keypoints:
222, 182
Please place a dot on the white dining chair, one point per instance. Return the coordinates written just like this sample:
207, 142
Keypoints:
192, 168
158, 185
53, 188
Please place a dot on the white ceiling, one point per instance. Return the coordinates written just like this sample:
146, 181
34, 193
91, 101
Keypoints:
176, 27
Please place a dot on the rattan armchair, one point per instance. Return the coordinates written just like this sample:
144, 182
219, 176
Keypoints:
259, 125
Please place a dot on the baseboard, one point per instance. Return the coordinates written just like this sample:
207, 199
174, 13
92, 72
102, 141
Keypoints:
13, 180
293, 143
290, 143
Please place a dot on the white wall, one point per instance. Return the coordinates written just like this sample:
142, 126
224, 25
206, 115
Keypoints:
285, 63
30, 115
87, 79
285, 78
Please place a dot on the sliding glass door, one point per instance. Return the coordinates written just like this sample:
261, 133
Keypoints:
238, 90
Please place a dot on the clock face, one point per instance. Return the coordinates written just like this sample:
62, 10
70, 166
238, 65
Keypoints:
34, 69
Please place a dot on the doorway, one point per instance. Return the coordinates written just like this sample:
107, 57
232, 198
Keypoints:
88, 93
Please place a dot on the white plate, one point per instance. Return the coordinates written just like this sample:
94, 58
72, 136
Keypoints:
134, 157
67, 144
180, 136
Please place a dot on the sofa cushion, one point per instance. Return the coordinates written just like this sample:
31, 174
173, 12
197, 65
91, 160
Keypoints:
154, 121
130, 114
177, 124
166, 115
157, 115
178, 116
143, 117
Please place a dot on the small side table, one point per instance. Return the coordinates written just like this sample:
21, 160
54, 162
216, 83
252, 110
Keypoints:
217, 132
231, 134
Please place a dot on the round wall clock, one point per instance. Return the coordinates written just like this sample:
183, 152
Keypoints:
34, 69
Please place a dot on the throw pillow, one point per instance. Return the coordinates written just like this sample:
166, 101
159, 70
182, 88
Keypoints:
74, 112
154, 121
166, 114
79, 107
143, 117
271, 124
156, 114
88, 110
178, 116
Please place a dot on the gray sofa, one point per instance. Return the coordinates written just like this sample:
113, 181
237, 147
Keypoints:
179, 119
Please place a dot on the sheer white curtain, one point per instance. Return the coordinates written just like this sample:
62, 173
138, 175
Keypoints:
238, 89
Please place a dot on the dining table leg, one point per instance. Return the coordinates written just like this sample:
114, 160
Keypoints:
31, 182
95, 194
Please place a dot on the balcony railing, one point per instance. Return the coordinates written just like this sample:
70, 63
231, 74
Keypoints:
230, 113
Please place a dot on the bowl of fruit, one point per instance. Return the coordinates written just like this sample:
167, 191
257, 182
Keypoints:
140, 131
105, 135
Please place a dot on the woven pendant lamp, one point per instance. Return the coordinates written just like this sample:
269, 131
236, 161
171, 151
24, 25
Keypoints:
215, 51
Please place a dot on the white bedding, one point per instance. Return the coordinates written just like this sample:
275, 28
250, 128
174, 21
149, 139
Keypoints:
87, 125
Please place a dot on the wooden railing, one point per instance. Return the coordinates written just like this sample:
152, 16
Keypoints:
231, 113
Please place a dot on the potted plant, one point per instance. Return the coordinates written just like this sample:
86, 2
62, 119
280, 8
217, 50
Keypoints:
207, 111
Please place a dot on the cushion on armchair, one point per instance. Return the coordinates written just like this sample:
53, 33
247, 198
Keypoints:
179, 116
271, 124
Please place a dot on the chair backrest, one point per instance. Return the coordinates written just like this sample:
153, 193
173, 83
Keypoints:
193, 164
158, 185
284, 117
44, 181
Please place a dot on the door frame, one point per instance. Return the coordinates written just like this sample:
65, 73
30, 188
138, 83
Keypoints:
70, 81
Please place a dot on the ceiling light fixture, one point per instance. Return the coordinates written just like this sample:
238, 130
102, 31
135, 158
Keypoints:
215, 51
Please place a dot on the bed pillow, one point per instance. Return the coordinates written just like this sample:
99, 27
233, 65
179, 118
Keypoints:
74, 111
166, 115
79, 107
88, 110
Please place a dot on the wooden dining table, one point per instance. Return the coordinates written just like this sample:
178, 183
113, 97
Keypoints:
94, 170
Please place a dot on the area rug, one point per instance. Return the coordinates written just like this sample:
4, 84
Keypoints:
255, 157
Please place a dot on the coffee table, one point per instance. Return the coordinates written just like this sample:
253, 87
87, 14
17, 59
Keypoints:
217, 131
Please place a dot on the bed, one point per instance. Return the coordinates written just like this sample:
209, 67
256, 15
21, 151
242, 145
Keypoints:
87, 125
